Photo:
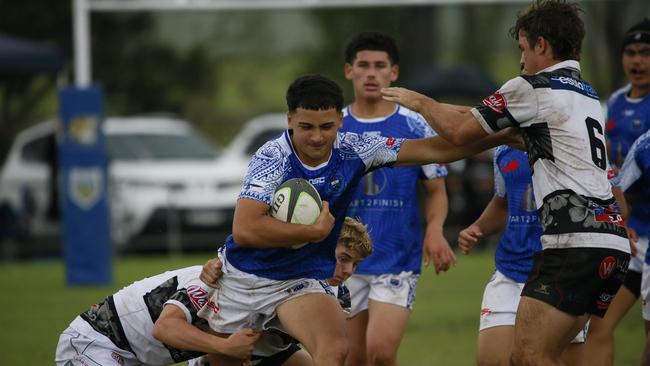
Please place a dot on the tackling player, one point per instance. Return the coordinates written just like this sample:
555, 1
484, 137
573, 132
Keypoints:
585, 248
354, 245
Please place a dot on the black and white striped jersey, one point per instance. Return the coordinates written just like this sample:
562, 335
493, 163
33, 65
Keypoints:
562, 124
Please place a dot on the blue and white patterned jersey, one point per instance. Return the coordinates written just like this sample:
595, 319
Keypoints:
634, 179
627, 119
275, 162
521, 238
386, 199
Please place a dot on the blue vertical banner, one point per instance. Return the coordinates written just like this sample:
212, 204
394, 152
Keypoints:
83, 187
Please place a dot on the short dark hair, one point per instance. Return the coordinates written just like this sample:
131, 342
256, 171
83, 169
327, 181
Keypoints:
372, 41
558, 22
314, 92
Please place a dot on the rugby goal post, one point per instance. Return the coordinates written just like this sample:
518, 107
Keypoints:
82, 9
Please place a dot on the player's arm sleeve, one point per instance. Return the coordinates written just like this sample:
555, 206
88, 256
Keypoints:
375, 151
514, 105
631, 170
265, 173
499, 182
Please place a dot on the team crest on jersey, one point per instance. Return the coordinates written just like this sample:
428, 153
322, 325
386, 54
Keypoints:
198, 296
496, 102
335, 185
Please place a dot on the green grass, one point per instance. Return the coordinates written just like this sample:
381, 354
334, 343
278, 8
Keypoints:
35, 306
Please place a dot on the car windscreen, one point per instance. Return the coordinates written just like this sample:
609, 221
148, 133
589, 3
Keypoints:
159, 147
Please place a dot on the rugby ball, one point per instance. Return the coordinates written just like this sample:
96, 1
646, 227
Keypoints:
296, 201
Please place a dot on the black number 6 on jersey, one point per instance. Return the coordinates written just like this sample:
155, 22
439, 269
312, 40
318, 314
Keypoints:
596, 143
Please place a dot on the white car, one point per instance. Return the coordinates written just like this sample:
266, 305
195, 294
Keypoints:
254, 133
164, 180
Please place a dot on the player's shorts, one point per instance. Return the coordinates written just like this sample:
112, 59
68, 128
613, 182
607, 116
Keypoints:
577, 281
397, 289
245, 300
273, 360
633, 278
81, 345
500, 303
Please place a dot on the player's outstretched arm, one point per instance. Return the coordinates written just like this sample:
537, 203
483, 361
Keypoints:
253, 227
438, 150
492, 220
454, 123
172, 329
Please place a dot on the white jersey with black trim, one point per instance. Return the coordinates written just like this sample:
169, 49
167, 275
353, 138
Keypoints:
562, 123
138, 306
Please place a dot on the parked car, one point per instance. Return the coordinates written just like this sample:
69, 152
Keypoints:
167, 185
252, 136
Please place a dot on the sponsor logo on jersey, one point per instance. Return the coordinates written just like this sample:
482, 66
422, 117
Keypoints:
496, 102
374, 182
299, 287
119, 359
390, 141
512, 166
316, 181
198, 296
81, 359
212, 306
607, 267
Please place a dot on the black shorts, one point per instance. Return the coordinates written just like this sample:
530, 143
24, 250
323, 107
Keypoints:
577, 281
276, 359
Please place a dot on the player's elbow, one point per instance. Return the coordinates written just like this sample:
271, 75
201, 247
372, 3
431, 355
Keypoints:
242, 236
158, 331
459, 138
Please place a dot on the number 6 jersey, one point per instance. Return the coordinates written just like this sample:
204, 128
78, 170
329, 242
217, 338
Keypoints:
561, 121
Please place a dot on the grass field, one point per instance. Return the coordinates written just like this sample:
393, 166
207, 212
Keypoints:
35, 306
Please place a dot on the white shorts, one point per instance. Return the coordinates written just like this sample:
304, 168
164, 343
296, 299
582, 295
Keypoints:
248, 301
636, 262
81, 345
397, 289
500, 303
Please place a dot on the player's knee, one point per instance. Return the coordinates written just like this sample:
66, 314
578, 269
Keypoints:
381, 355
334, 351
355, 358
528, 357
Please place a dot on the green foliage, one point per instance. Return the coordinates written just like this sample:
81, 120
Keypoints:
37, 306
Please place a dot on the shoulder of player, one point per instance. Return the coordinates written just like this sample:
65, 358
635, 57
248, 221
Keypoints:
642, 144
617, 95
275, 148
